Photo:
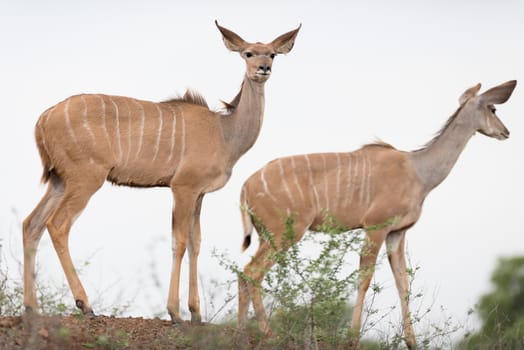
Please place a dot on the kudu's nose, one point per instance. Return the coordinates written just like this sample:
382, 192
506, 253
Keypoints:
264, 68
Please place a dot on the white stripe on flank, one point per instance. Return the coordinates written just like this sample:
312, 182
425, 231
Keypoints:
284, 181
86, 121
45, 116
126, 100
104, 126
326, 183
44, 144
336, 196
159, 131
41, 129
349, 182
173, 133
310, 174
368, 187
363, 181
183, 136
264, 184
68, 121
296, 179
41, 123
142, 124
117, 128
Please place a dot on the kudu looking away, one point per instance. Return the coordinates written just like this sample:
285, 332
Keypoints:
181, 143
361, 189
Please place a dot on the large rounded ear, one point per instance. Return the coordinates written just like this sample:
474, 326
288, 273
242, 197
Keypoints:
499, 94
469, 93
232, 41
285, 42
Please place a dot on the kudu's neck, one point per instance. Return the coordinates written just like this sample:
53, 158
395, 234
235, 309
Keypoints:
242, 127
434, 162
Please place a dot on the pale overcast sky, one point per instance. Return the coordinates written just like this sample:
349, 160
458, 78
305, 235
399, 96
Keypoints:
359, 71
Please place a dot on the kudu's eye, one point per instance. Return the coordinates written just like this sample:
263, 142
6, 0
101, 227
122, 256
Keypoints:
493, 110
248, 54
272, 55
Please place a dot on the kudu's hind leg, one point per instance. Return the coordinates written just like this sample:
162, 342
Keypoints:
249, 286
256, 269
33, 228
243, 301
76, 196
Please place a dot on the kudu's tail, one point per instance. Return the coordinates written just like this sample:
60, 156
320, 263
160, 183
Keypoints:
247, 222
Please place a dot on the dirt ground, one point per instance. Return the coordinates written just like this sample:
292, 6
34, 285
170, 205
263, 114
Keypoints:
102, 332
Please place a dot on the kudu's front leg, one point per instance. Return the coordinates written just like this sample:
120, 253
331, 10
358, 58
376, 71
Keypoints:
182, 228
368, 259
397, 260
193, 249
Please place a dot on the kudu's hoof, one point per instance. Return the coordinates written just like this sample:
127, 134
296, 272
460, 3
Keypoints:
88, 312
196, 318
30, 314
30, 311
176, 320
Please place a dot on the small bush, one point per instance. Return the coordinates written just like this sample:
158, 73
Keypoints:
307, 296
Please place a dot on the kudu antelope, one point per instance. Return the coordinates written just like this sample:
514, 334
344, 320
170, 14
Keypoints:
361, 189
181, 143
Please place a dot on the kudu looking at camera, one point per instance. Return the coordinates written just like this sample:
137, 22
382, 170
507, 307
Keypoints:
182, 144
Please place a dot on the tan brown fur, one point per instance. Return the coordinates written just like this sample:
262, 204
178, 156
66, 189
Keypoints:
375, 187
182, 144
